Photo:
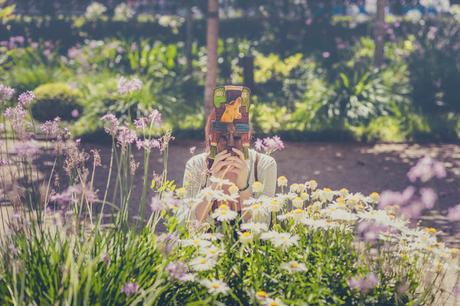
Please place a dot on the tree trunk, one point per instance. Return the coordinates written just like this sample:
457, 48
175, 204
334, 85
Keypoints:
379, 32
189, 38
211, 46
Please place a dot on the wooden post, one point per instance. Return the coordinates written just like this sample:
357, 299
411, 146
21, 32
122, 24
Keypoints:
379, 33
189, 38
211, 46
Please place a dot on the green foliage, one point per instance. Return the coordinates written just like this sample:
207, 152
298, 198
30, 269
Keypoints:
23, 78
56, 100
434, 66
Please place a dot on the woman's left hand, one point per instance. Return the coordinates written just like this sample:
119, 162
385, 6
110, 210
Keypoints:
240, 168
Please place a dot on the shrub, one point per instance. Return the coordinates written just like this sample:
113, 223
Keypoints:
56, 100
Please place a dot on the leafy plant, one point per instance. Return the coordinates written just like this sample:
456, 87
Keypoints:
56, 100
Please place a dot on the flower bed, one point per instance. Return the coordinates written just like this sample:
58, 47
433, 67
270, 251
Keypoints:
322, 246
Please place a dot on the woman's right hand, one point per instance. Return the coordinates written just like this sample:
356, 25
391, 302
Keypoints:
220, 165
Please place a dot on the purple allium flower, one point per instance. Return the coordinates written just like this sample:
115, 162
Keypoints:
165, 139
269, 144
389, 197
365, 284
130, 288
156, 204
125, 136
370, 231
113, 124
179, 271
148, 144
454, 213
126, 86
6, 93
429, 197
411, 205
152, 120
259, 144
27, 149
15, 114
74, 192
51, 128
166, 242
155, 118
96, 158
26, 98
425, 169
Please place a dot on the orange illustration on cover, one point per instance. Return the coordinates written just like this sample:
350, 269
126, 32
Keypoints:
232, 111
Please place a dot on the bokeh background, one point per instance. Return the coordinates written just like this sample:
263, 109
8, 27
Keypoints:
358, 90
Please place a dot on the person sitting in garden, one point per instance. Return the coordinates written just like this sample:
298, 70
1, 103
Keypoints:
228, 162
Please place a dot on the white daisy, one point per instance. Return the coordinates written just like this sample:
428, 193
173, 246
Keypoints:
274, 302
294, 266
269, 235
275, 205
285, 241
305, 196
281, 240
202, 263
220, 181
255, 228
224, 213
196, 242
246, 237
257, 210
250, 201
340, 215
211, 251
297, 202
312, 185
215, 286
211, 236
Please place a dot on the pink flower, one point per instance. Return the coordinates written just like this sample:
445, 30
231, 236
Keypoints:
113, 124
75, 113
74, 52
126, 86
52, 129
326, 54
365, 284
125, 136
26, 98
370, 231
156, 204
429, 197
148, 144
454, 214
74, 193
269, 144
27, 149
130, 288
425, 169
152, 120
6, 93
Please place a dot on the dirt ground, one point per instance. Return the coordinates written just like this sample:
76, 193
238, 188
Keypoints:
357, 167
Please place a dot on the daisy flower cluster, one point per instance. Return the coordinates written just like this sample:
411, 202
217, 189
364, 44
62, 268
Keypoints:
285, 232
